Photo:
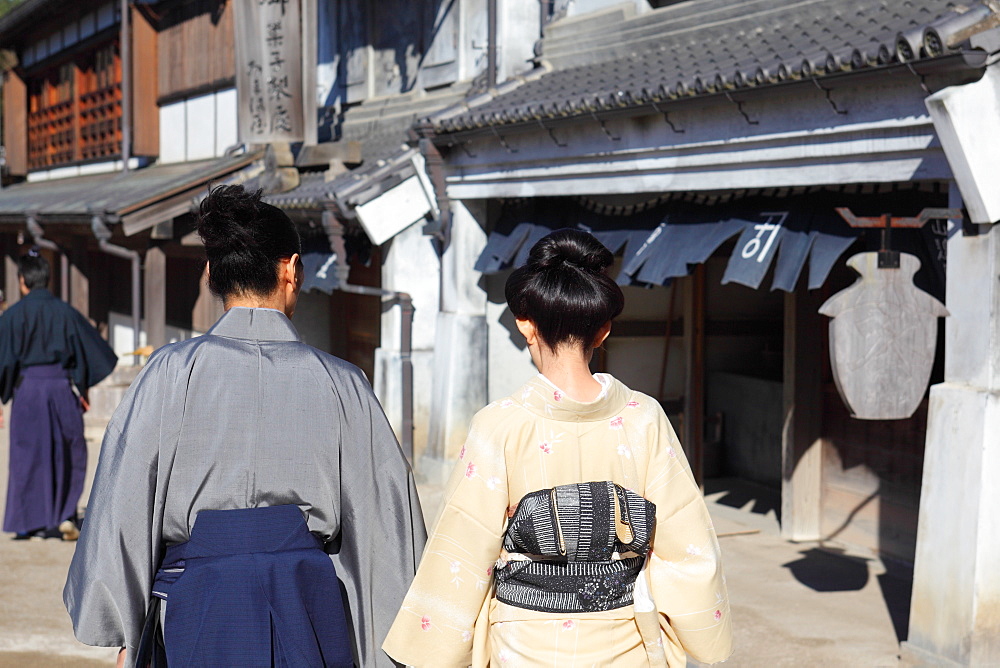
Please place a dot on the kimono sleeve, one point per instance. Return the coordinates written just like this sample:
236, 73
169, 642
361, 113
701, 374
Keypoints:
685, 568
436, 624
94, 359
382, 528
108, 586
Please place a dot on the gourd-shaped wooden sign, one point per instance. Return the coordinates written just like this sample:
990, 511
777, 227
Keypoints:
882, 339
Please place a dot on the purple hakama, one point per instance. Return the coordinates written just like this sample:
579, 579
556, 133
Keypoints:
48, 454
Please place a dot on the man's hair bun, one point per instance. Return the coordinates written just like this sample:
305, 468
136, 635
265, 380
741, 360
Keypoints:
244, 239
227, 216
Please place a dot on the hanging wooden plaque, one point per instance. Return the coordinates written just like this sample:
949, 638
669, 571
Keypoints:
882, 339
276, 70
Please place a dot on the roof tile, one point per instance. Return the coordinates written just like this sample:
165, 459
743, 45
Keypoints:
711, 46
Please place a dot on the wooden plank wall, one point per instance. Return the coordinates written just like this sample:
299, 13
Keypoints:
145, 114
196, 49
15, 123
871, 478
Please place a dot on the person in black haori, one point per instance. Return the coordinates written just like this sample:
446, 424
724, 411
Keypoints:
50, 355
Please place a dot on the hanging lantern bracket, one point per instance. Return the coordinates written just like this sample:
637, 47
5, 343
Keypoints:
888, 258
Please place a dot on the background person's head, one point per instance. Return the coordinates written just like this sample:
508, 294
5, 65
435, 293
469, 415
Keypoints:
33, 271
563, 295
253, 250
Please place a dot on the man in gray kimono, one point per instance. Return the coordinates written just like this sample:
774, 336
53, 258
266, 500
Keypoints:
246, 417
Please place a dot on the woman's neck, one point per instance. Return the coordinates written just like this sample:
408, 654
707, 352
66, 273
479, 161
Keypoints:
568, 368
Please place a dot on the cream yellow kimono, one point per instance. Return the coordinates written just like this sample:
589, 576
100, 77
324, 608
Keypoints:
536, 439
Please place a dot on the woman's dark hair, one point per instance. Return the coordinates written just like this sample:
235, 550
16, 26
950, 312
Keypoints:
244, 240
564, 288
34, 269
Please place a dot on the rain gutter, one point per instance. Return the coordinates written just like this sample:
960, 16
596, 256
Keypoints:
103, 236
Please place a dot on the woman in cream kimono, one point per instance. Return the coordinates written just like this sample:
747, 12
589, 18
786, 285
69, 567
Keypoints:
564, 427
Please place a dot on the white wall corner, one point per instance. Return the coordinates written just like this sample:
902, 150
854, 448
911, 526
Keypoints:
967, 121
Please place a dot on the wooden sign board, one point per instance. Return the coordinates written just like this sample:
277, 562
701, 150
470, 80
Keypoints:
276, 70
882, 339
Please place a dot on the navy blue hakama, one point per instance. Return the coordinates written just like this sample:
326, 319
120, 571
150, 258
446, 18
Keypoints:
48, 454
252, 587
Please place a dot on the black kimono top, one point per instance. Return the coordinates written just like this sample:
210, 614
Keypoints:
41, 329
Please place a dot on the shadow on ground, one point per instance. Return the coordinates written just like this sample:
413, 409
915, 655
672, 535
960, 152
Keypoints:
826, 567
744, 495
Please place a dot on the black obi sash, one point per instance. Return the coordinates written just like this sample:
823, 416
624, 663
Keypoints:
571, 533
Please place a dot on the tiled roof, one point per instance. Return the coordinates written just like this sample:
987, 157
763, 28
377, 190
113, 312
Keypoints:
119, 193
711, 47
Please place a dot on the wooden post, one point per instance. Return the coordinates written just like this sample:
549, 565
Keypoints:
801, 445
12, 287
15, 124
694, 394
79, 281
207, 308
155, 296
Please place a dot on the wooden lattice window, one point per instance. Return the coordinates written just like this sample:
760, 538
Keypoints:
74, 110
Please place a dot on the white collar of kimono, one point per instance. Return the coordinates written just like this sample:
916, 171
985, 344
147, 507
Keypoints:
542, 397
255, 324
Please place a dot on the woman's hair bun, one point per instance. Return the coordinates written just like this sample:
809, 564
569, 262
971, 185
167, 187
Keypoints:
570, 247
564, 289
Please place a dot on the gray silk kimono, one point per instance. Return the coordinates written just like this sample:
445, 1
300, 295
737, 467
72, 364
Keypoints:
246, 416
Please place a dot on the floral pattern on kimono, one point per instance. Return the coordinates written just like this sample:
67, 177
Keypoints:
539, 438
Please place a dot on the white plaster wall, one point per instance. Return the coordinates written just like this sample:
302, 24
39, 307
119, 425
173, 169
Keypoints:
410, 264
967, 119
225, 120
509, 365
388, 388
517, 31
198, 128
173, 133
462, 346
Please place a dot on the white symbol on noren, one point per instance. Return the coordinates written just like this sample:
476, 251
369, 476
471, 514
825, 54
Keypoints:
761, 248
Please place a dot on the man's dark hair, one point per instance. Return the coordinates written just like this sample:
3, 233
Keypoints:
564, 289
34, 269
244, 240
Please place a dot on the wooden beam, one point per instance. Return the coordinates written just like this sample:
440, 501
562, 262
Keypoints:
802, 446
15, 123
763, 327
145, 112
694, 394
155, 296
